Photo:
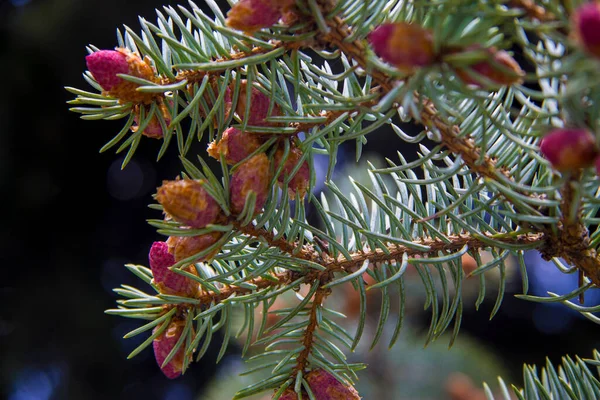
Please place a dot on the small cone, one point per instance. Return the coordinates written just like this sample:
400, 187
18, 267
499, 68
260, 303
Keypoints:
405, 46
188, 202
251, 176
569, 149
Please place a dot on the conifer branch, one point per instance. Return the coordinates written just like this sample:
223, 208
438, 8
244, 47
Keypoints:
571, 239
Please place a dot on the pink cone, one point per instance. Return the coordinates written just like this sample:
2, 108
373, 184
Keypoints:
186, 246
405, 46
163, 345
325, 387
259, 106
252, 15
569, 149
105, 65
510, 73
235, 145
252, 176
188, 202
299, 182
167, 281
586, 27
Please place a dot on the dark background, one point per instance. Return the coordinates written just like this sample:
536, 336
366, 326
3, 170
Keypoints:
71, 219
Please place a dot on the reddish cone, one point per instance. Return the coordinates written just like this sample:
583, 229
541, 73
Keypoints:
251, 176
325, 387
259, 106
299, 183
569, 149
501, 69
106, 64
188, 202
154, 128
405, 46
163, 345
586, 27
235, 145
182, 247
252, 15
167, 281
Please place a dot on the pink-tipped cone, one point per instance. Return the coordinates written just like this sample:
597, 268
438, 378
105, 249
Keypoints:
105, 65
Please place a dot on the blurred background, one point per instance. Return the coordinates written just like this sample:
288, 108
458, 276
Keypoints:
72, 218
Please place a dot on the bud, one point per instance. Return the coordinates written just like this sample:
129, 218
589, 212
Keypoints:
251, 176
501, 69
167, 281
188, 202
235, 145
182, 247
154, 128
163, 345
569, 149
405, 46
299, 182
106, 64
586, 27
252, 15
325, 387
259, 106
214, 87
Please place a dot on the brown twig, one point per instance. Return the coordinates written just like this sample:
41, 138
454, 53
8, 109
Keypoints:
534, 10
571, 240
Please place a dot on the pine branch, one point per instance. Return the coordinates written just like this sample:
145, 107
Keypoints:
571, 239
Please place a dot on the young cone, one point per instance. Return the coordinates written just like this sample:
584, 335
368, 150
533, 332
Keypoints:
252, 15
325, 387
569, 149
188, 202
106, 64
405, 46
586, 27
154, 129
259, 106
163, 345
235, 145
251, 176
299, 182
182, 247
501, 68
167, 281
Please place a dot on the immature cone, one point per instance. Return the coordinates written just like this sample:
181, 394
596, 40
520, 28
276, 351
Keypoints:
405, 46
188, 202
586, 27
325, 387
227, 101
163, 345
153, 129
182, 247
259, 106
167, 281
235, 145
569, 149
501, 69
106, 64
299, 182
252, 15
251, 176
